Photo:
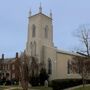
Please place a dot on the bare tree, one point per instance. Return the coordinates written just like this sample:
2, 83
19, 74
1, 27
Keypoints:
22, 70
33, 67
24, 74
83, 33
82, 67
27, 68
83, 62
34, 71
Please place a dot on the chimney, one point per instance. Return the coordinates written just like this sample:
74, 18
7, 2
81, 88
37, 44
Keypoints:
16, 54
2, 56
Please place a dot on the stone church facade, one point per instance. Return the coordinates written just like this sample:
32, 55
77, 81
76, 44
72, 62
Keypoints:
40, 45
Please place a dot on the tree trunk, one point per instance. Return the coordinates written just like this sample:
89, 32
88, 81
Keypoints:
24, 85
83, 80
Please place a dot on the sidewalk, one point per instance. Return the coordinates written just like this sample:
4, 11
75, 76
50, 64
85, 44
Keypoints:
76, 87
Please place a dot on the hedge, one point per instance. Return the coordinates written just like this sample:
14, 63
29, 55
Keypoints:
60, 84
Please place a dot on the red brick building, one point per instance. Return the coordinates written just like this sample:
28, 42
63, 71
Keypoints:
8, 67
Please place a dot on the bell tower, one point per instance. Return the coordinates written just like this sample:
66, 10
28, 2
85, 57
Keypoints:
40, 33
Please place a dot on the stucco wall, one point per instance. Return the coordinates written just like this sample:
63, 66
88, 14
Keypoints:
50, 53
62, 66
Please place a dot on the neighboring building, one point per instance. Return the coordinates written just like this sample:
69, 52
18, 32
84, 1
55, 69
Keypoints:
8, 68
40, 45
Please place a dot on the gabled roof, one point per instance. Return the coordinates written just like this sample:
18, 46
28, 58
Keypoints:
40, 14
67, 52
7, 60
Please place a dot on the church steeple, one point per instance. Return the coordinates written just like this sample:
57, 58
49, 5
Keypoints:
50, 14
40, 8
40, 34
30, 12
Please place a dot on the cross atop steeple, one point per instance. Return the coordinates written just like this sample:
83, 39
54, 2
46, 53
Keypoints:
40, 8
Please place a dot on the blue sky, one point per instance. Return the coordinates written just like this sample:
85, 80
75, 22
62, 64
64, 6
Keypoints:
68, 15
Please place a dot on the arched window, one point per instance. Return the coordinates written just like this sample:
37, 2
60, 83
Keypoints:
49, 66
46, 31
31, 48
33, 30
68, 66
34, 48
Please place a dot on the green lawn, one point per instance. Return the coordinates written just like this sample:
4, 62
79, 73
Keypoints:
37, 88
3, 87
18, 88
81, 88
42, 88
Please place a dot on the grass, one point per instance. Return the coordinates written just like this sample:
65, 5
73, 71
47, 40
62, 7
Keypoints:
37, 88
81, 88
3, 87
18, 88
42, 88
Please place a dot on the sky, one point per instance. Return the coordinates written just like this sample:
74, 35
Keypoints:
68, 15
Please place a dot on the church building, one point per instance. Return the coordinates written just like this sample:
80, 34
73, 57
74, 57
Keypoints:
40, 45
